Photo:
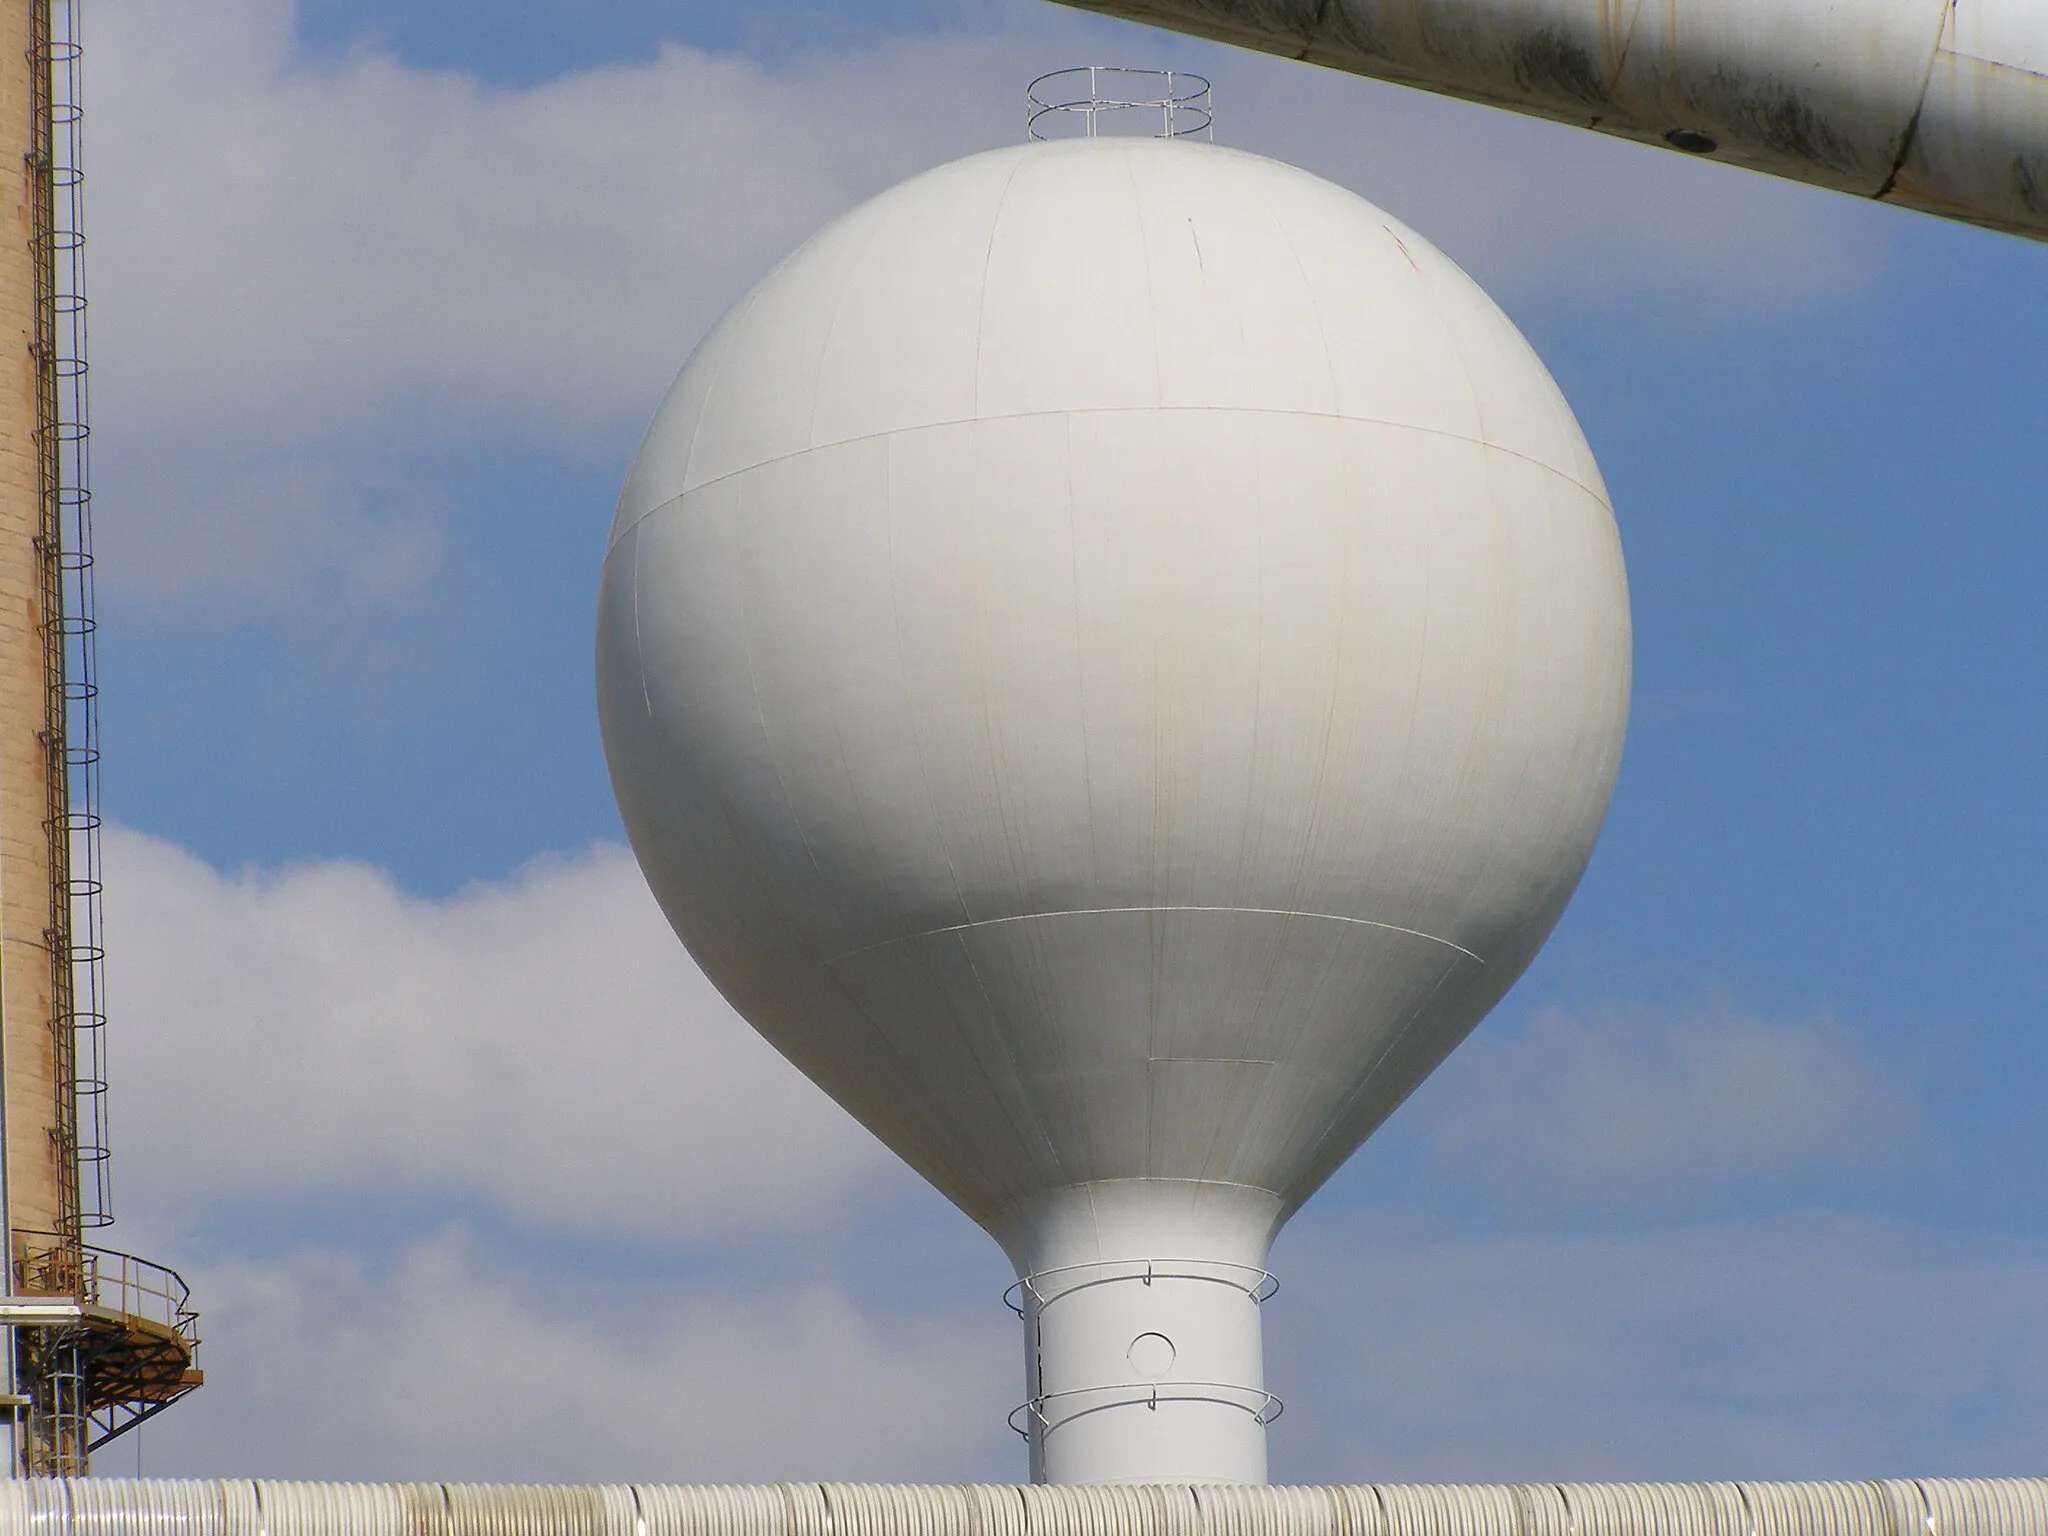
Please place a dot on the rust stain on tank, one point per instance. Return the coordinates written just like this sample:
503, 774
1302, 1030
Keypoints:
1806, 110
1777, 116
1615, 31
1552, 63
2027, 187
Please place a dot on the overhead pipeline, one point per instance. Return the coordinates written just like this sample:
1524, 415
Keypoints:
1893, 1507
1939, 105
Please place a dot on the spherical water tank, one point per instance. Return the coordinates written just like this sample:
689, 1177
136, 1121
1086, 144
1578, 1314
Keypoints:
1114, 657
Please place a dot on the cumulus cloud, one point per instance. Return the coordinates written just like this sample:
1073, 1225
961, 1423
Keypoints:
293, 246
1804, 1346
1811, 1347
1631, 1102
445, 1362
263, 527
276, 234
307, 278
672, 1257
677, 1261
346, 259
543, 1048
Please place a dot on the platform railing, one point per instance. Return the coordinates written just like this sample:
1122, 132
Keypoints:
106, 1280
1098, 100
139, 1291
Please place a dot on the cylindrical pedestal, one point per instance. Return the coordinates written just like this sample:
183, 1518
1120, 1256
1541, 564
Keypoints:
1143, 1358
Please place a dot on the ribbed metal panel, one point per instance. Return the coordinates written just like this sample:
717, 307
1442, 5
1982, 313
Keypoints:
1984, 1506
1450, 1511
1357, 1510
1818, 1509
240, 1513
332, 1509
688, 1510
1901, 1507
870, 1508
49, 1506
124, 1507
1641, 1509
496, 1509
1228, 1510
999, 1509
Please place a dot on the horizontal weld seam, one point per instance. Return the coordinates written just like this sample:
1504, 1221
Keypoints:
1028, 917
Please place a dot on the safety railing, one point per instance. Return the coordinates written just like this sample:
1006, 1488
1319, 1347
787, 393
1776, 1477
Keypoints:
106, 1281
1098, 100
1044, 1286
139, 1291
1038, 1414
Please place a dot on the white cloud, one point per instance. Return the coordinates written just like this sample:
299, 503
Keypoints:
1807, 1346
271, 527
1630, 1103
303, 274
346, 259
443, 1362
697, 1265
1816, 1346
294, 247
543, 1048
696, 1268
274, 235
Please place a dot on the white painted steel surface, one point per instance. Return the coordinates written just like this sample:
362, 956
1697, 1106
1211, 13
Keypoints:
1113, 657
1927, 1507
1940, 105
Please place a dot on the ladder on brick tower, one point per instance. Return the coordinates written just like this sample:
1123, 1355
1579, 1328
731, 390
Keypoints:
100, 1341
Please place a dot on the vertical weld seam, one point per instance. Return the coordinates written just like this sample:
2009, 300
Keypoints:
1911, 135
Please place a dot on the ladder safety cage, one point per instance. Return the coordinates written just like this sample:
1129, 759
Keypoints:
64, 547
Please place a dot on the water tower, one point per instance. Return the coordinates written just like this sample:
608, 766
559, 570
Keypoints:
1114, 657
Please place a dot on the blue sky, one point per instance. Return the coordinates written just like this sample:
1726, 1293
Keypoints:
475, 1179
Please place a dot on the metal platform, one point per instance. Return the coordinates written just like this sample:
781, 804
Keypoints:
103, 1341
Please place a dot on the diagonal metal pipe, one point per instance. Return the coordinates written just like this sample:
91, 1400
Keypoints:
1939, 105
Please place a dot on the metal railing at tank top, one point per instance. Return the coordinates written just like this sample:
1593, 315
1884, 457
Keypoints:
1100, 100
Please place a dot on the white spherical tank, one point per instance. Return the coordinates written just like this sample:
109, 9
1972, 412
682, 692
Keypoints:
1114, 657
